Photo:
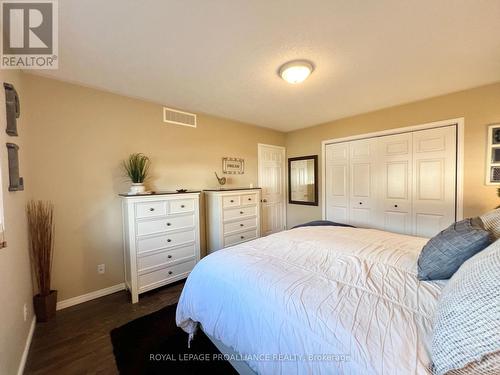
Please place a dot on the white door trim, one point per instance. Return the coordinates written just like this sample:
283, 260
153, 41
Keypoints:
283, 176
459, 122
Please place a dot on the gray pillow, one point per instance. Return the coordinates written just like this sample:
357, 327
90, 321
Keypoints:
444, 253
491, 221
466, 332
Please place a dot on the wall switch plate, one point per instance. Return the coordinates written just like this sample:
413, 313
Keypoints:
101, 268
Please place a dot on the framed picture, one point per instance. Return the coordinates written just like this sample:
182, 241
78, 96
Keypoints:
493, 155
233, 165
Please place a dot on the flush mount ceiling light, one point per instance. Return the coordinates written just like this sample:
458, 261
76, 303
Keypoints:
296, 71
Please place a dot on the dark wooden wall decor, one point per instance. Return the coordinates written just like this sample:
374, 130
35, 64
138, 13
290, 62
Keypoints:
16, 183
13, 108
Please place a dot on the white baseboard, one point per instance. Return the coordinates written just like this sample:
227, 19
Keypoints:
24, 357
89, 296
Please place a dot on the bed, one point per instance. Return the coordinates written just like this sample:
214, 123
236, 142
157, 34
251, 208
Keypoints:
316, 300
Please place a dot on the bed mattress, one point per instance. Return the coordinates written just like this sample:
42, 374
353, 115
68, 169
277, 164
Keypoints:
316, 300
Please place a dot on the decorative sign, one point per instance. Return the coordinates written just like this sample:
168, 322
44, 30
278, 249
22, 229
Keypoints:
233, 165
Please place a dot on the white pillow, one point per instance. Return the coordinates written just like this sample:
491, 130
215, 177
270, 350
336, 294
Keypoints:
491, 222
466, 335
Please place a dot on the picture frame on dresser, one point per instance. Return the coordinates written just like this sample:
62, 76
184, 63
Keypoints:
161, 239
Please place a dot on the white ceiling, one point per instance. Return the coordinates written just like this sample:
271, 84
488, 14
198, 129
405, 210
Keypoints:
221, 56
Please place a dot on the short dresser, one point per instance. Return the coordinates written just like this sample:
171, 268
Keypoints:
161, 239
232, 217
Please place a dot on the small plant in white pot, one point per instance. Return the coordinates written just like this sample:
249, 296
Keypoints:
137, 169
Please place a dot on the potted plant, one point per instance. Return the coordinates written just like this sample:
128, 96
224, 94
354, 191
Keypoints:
137, 169
41, 240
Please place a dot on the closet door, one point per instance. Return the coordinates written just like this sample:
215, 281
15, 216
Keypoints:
434, 180
363, 194
337, 182
395, 181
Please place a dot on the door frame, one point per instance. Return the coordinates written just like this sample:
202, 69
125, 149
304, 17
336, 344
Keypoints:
283, 178
458, 122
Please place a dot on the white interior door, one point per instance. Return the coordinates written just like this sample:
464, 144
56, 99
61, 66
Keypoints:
395, 181
337, 182
272, 182
363, 184
434, 180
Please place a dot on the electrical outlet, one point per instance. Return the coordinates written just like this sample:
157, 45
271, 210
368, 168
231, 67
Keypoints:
25, 311
101, 268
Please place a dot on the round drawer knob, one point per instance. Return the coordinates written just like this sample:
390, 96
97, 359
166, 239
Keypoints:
241, 212
231, 201
170, 272
249, 199
169, 256
151, 209
242, 237
182, 206
169, 240
396, 205
241, 225
360, 202
168, 224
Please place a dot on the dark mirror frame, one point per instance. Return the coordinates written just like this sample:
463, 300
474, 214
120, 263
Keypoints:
316, 200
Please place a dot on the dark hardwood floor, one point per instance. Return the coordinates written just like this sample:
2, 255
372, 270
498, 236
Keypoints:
77, 340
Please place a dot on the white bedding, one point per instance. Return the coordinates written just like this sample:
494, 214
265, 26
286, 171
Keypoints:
322, 291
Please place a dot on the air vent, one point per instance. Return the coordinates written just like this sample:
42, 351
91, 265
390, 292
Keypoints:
173, 116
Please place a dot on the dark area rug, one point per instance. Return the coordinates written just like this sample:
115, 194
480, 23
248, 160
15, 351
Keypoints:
156, 335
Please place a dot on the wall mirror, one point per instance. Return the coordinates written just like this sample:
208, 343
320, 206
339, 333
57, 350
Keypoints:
303, 180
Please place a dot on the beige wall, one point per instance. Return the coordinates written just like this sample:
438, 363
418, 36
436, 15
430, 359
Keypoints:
480, 107
15, 274
77, 140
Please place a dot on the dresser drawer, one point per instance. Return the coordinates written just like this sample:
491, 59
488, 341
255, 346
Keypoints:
181, 205
231, 201
234, 213
164, 225
248, 199
233, 239
165, 257
164, 241
148, 280
150, 209
240, 225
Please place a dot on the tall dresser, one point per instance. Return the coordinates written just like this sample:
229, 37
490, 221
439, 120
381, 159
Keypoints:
161, 239
233, 217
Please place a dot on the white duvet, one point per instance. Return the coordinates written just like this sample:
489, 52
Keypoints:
316, 300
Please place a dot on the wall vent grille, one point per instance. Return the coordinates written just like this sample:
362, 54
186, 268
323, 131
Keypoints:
173, 116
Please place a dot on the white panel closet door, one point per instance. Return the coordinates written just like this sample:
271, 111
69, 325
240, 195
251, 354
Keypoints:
363, 192
434, 180
337, 182
395, 181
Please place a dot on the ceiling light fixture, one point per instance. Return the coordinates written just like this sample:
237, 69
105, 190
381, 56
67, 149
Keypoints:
296, 71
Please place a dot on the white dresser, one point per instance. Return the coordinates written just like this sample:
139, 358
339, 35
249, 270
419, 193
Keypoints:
161, 239
233, 216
